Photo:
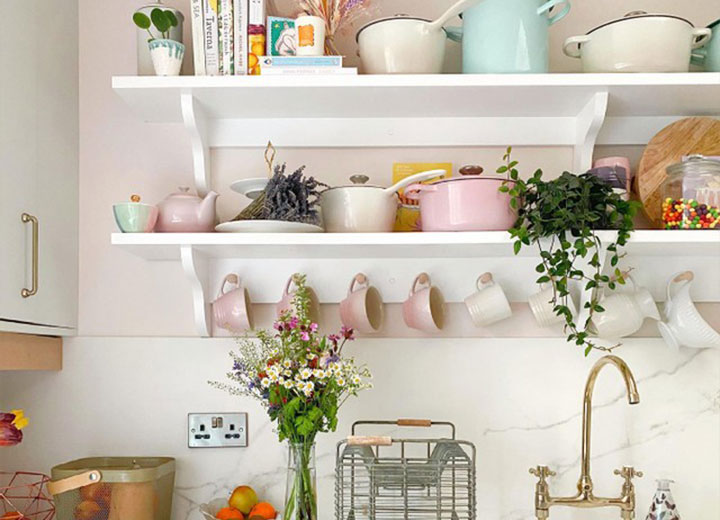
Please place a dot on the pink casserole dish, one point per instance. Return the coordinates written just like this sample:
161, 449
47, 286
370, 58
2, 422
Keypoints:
469, 203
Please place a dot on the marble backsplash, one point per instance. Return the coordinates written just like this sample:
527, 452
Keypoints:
519, 401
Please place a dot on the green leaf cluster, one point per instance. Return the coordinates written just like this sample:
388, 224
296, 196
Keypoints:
162, 19
567, 211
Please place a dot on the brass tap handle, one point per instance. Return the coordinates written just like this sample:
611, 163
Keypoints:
628, 473
542, 472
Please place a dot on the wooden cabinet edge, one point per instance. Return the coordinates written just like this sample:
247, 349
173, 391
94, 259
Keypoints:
30, 352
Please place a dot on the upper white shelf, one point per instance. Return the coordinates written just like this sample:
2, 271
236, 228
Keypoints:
440, 96
166, 246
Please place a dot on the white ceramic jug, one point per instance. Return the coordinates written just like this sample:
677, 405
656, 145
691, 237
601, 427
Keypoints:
683, 325
624, 312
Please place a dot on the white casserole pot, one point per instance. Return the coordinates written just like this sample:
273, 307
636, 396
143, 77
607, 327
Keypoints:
362, 208
639, 42
404, 44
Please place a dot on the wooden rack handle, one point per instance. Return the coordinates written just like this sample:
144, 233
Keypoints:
422, 423
359, 440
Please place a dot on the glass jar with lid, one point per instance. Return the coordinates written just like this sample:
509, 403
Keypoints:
691, 194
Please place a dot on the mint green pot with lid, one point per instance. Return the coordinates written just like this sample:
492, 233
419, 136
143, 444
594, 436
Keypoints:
508, 36
708, 57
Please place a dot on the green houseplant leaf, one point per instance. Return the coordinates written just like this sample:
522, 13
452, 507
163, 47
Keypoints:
160, 20
141, 20
560, 217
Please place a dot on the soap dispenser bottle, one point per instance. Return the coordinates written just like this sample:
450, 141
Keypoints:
663, 505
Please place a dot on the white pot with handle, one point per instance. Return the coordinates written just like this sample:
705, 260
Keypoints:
638, 42
403, 44
363, 208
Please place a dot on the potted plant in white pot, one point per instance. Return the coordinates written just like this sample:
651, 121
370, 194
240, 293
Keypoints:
167, 55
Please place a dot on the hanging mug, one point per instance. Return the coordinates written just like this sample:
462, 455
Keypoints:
232, 309
362, 309
488, 304
543, 309
285, 303
425, 307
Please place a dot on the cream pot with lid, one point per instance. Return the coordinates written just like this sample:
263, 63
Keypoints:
638, 42
365, 208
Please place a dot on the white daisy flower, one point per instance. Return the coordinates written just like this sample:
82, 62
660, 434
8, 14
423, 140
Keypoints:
340, 381
287, 372
305, 373
273, 377
356, 379
287, 363
265, 382
288, 384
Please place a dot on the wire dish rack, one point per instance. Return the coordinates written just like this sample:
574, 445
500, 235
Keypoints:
24, 496
424, 478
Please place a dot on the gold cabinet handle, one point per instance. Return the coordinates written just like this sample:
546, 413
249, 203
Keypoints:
27, 217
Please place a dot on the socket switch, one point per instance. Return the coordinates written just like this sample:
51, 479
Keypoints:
217, 430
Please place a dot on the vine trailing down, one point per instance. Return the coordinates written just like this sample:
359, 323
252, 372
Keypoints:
561, 216
302, 379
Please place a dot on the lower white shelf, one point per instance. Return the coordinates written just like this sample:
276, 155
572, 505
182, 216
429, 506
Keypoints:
392, 260
166, 246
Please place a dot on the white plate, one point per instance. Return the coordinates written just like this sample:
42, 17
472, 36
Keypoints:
267, 226
251, 188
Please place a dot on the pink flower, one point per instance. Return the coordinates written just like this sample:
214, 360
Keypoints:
278, 326
293, 323
347, 333
305, 336
313, 327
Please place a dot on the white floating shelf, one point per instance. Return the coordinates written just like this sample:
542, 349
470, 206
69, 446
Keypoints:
166, 246
391, 260
578, 110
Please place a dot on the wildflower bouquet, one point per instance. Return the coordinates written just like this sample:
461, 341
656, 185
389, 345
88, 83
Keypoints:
301, 378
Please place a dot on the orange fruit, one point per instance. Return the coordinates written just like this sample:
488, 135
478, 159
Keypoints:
12, 515
229, 513
263, 510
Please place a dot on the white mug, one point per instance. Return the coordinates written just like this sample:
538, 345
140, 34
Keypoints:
542, 307
488, 304
309, 36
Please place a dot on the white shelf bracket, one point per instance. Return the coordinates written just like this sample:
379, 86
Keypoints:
196, 125
195, 266
589, 121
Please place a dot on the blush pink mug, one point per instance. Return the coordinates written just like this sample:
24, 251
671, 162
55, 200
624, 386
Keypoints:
362, 309
285, 303
232, 309
425, 307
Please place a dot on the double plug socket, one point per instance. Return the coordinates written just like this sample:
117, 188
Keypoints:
217, 430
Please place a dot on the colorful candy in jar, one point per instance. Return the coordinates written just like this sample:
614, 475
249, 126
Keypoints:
689, 214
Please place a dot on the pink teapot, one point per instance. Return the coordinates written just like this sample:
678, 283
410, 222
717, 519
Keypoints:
183, 212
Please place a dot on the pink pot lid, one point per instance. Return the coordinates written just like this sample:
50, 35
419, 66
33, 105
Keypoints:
471, 178
634, 15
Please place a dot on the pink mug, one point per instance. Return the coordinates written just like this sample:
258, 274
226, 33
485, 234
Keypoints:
285, 303
232, 310
425, 307
362, 310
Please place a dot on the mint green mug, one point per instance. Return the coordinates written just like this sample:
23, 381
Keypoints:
508, 36
708, 57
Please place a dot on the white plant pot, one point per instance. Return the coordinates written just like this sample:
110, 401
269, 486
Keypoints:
167, 56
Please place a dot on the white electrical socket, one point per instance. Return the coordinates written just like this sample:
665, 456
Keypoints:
217, 430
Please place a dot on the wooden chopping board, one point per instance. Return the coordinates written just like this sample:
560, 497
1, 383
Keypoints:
692, 135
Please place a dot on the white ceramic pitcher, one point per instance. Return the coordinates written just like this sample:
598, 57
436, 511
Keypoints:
624, 312
683, 325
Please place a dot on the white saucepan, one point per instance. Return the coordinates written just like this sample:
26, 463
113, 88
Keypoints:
638, 42
363, 208
403, 44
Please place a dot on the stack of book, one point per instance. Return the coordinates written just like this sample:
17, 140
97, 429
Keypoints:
236, 37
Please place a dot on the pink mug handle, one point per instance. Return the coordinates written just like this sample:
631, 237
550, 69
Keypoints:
358, 279
231, 278
484, 281
412, 192
286, 292
422, 279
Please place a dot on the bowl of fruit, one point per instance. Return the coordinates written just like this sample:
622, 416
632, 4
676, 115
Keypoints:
243, 504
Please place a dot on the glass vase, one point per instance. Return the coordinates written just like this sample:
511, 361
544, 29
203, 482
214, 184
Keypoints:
301, 490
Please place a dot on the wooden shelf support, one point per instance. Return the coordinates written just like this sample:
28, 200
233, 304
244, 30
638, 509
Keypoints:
195, 266
589, 122
196, 124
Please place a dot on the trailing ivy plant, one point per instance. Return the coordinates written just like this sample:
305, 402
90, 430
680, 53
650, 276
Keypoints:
567, 212
162, 19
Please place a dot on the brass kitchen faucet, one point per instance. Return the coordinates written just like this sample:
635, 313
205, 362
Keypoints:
585, 497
